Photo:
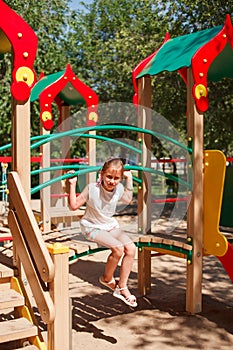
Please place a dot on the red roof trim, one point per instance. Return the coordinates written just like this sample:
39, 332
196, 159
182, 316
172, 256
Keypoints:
49, 94
203, 59
24, 43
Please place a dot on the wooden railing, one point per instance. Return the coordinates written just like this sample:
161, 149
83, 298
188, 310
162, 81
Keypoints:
41, 267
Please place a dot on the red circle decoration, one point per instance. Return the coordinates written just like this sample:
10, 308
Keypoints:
48, 124
20, 91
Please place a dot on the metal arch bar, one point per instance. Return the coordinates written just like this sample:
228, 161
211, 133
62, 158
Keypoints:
107, 127
97, 168
168, 247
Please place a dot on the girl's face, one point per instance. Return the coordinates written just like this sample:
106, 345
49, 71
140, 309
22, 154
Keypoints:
111, 178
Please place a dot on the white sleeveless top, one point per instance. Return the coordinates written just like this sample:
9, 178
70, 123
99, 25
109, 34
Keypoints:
101, 206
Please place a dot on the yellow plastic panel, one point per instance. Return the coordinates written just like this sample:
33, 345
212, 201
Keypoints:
215, 243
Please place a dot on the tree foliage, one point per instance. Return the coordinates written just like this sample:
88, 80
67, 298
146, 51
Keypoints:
50, 21
111, 37
106, 39
189, 16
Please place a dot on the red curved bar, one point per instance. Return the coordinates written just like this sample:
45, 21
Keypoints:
203, 59
24, 43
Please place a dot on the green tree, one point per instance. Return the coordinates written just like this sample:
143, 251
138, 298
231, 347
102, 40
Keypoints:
111, 37
106, 40
190, 16
50, 21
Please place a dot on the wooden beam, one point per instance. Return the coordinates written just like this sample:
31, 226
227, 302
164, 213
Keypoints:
21, 154
144, 271
42, 298
195, 126
30, 228
59, 187
45, 193
91, 155
144, 122
59, 335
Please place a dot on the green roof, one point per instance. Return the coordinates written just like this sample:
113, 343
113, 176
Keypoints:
43, 83
68, 94
177, 53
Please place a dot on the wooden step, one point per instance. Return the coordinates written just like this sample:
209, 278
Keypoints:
5, 271
11, 346
10, 298
19, 328
28, 347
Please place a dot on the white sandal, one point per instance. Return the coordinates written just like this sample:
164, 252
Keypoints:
130, 300
107, 284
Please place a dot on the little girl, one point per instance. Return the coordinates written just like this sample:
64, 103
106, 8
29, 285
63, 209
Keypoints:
99, 225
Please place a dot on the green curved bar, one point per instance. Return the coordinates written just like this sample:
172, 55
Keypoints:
87, 252
107, 127
97, 168
3, 148
98, 137
168, 247
158, 172
69, 167
49, 137
33, 138
63, 177
58, 167
139, 245
117, 142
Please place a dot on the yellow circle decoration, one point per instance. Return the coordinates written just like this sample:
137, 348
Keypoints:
200, 91
26, 75
93, 116
46, 116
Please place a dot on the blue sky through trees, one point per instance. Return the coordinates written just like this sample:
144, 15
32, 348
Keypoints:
75, 4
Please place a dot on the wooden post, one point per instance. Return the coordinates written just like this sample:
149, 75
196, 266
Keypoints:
21, 154
65, 126
195, 125
144, 190
21, 157
45, 193
46, 201
144, 271
59, 330
144, 122
91, 154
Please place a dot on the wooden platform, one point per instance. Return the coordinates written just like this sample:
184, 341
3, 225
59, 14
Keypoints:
57, 214
160, 245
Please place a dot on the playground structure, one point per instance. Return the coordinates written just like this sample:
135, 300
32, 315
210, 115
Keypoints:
199, 57
65, 89
200, 224
20, 39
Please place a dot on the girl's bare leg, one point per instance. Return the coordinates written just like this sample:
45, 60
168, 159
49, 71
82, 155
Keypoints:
126, 265
105, 239
120, 244
112, 262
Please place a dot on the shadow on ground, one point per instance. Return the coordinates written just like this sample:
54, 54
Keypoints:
159, 316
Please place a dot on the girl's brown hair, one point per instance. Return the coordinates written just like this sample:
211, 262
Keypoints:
113, 162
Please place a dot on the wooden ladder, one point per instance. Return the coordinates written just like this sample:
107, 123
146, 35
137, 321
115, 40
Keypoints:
18, 326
